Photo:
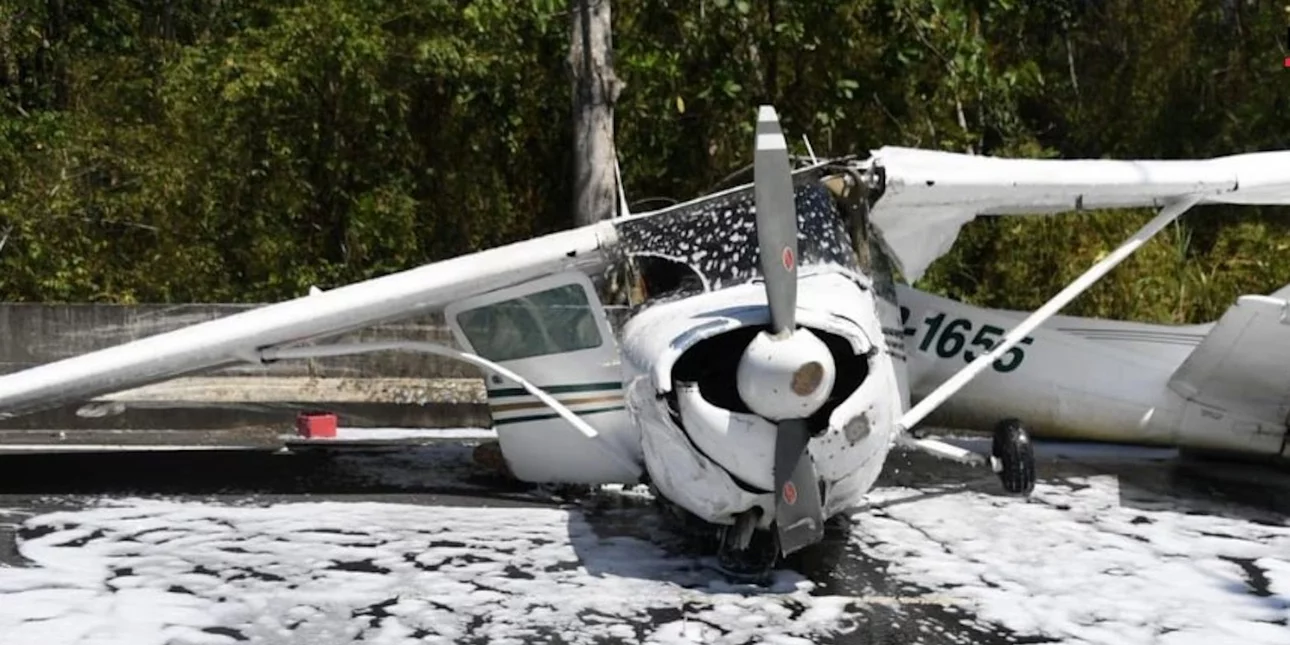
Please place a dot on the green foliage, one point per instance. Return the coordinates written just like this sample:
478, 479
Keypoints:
1153, 79
195, 150
274, 145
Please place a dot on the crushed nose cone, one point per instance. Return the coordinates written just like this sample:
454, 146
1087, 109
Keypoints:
787, 377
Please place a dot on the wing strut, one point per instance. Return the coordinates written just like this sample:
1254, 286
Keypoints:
1169, 213
344, 349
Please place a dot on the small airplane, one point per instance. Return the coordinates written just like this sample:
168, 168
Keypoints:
751, 355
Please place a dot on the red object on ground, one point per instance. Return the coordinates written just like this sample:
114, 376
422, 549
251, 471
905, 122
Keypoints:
316, 425
1288, 62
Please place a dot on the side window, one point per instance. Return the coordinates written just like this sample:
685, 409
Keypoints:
554, 321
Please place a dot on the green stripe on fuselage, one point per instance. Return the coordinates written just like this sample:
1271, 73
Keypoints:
543, 417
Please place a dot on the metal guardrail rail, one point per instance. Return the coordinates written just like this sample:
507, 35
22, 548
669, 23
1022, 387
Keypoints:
369, 391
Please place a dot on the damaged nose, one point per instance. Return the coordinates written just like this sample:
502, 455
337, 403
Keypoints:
785, 376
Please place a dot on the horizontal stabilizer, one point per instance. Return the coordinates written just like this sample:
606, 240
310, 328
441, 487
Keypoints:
1243, 359
929, 195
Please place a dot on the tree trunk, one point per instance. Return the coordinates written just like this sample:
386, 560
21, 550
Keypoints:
56, 50
9, 56
595, 88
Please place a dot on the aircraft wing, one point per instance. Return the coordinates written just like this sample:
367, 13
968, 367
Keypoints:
243, 336
929, 195
1243, 359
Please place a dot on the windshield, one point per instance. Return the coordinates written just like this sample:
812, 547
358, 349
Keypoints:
554, 321
712, 244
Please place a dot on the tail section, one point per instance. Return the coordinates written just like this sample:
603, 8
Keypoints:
1236, 381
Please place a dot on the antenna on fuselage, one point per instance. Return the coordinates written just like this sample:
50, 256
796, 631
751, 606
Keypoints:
809, 149
624, 209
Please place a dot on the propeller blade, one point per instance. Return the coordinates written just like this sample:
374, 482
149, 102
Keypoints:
799, 513
776, 219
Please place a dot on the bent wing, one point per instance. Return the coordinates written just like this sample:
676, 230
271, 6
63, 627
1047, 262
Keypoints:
244, 336
929, 195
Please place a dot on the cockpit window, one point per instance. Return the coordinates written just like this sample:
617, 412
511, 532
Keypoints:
717, 238
554, 321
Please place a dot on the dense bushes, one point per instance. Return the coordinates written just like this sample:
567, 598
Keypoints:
240, 150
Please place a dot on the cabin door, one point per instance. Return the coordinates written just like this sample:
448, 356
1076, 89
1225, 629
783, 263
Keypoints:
553, 332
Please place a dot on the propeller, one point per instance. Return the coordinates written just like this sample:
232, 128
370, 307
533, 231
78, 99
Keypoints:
784, 376
776, 221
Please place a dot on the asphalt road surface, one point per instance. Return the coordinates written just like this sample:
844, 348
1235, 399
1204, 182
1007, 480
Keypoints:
423, 546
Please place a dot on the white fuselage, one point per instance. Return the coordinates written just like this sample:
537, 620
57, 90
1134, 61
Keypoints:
1078, 378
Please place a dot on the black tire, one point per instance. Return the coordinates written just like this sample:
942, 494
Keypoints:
1012, 447
753, 565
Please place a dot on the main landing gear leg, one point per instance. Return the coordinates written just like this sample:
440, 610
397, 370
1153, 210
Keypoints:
1012, 456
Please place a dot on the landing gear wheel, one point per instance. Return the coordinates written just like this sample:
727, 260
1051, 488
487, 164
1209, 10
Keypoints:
1013, 457
747, 554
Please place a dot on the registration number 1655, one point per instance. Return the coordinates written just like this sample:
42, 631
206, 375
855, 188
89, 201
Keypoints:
951, 337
